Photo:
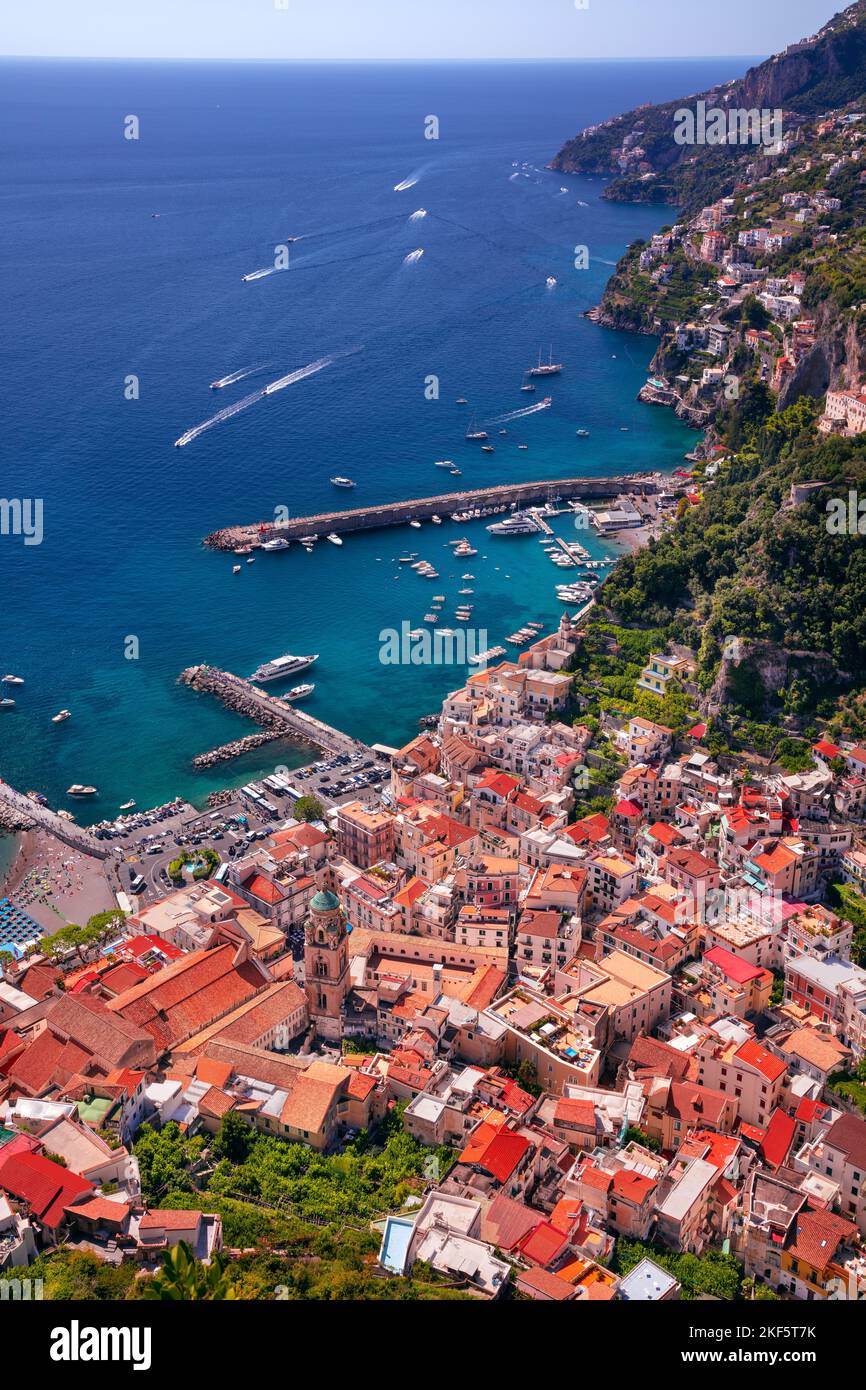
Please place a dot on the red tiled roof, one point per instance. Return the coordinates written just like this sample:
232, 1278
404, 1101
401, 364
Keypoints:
778, 1139
763, 1061
633, 1186
630, 809
575, 1112
503, 1154
818, 1235
736, 969
542, 1245
44, 1185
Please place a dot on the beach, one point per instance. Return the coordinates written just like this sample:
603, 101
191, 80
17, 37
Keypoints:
54, 884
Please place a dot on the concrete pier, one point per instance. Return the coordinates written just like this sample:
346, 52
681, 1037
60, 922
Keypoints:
29, 813
423, 508
272, 713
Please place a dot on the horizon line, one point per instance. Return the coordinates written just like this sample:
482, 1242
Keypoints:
360, 62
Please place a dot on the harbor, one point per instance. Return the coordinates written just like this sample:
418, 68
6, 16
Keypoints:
479, 501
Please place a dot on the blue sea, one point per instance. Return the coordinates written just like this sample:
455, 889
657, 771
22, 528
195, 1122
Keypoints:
235, 159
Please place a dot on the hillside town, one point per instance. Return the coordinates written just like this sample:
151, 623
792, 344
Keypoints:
640, 1026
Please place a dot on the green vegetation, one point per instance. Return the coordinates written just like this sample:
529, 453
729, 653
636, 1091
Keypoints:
852, 1087
206, 861
99, 929
308, 808
633, 1135
184, 1279
851, 906
713, 1273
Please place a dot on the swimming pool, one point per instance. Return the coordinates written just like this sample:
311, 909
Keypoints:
395, 1244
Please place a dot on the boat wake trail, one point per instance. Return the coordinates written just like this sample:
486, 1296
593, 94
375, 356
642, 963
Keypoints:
217, 419
519, 414
416, 216
260, 274
310, 370
236, 376
413, 257
407, 183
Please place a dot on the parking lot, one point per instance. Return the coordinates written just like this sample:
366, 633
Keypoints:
147, 842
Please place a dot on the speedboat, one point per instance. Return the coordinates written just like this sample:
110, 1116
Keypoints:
582, 434
334, 539
341, 482
12, 680
7, 704
128, 806
236, 569
59, 718
298, 692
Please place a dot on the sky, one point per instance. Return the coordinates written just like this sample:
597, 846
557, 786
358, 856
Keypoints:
407, 29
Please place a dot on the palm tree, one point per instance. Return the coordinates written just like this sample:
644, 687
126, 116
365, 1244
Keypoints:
183, 1279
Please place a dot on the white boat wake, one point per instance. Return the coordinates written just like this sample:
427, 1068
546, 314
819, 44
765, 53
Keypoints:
407, 183
416, 216
518, 414
236, 376
413, 257
279, 385
217, 419
260, 274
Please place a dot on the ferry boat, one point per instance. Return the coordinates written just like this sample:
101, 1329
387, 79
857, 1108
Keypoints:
12, 680
59, 718
548, 368
78, 790
335, 539
278, 543
281, 667
341, 482
298, 692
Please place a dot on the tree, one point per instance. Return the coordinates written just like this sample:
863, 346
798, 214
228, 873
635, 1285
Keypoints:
234, 1139
309, 808
183, 1279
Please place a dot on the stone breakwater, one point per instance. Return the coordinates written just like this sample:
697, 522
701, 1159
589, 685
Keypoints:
234, 749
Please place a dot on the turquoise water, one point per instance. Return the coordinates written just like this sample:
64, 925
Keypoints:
235, 159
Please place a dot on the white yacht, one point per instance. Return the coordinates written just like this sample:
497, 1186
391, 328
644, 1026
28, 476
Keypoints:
59, 718
335, 539
12, 680
517, 525
298, 692
281, 667
278, 543
341, 482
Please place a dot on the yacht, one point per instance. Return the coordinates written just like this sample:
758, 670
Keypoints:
341, 482
335, 539
59, 718
443, 463
281, 667
78, 790
128, 806
12, 680
516, 525
278, 543
548, 368
298, 692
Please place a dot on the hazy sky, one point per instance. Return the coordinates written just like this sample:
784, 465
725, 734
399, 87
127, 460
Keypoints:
436, 29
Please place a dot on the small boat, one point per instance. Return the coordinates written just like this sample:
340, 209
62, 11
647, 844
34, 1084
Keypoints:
437, 520
528, 387
12, 680
334, 539
7, 704
39, 797
416, 524
59, 718
78, 790
444, 463
551, 281
251, 561
488, 449
128, 806
341, 482
461, 400
523, 446
503, 431
582, 434
236, 569
298, 692
624, 429
456, 473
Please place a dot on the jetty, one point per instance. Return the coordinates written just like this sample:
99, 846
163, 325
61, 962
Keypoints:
445, 504
20, 812
276, 716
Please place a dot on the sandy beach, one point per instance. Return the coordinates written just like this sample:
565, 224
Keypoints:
55, 884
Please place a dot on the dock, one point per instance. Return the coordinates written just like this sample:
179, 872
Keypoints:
276, 716
18, 811
424, 508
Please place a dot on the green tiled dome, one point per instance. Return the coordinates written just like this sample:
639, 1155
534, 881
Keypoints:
324, 901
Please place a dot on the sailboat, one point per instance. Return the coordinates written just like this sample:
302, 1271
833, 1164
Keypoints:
473, 433
548, 368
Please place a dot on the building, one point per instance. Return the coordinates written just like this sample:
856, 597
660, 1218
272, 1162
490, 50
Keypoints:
326, 963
